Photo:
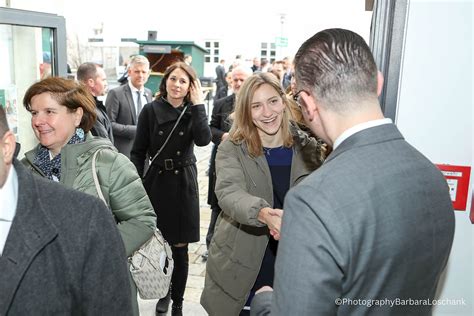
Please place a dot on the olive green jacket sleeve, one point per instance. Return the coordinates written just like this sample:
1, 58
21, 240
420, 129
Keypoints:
127, 199
121, 186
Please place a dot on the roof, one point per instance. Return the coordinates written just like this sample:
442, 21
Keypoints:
172, 43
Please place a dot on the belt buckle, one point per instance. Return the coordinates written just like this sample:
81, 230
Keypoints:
169, 164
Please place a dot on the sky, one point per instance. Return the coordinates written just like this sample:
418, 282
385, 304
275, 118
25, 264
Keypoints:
242, 21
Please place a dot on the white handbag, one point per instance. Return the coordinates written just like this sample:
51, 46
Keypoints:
152, 265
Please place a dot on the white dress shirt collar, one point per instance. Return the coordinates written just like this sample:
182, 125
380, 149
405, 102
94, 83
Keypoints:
357, 128
9, 201
135, 98
134, 90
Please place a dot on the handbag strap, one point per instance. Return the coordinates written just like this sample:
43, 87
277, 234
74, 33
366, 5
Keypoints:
96, 178
167, 138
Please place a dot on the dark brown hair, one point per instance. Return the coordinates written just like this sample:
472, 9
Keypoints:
186, 68
68, 93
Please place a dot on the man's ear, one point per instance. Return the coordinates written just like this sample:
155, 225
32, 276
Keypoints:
308, 105
90, 82
379, 83
8, 147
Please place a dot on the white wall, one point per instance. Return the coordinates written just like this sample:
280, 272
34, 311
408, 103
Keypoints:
435, 115
47, 6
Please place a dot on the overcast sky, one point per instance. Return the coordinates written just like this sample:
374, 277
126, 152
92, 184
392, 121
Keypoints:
189, 20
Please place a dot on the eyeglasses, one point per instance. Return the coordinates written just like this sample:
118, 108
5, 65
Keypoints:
296, 98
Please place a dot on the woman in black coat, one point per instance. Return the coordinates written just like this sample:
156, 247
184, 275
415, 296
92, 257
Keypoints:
171, 181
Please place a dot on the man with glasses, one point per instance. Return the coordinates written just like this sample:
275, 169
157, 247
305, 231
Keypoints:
375, 223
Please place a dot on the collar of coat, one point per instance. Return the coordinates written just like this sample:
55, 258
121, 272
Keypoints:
165, 112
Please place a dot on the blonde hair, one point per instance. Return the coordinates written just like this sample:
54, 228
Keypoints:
243, 129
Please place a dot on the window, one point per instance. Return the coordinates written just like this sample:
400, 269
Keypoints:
268, 50
33, 47
212, 52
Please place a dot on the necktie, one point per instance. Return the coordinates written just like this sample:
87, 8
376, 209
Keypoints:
139, 102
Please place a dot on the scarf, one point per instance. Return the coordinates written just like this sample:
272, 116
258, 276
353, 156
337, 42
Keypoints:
52, 167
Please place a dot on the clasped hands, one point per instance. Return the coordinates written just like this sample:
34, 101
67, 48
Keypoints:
272, 217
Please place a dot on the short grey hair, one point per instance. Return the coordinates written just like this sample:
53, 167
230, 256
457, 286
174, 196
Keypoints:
139, 60
244, 69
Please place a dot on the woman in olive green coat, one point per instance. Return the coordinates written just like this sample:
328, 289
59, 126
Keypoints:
62, 113
264, 156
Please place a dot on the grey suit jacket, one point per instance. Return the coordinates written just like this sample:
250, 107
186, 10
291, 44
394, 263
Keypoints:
63, 254
122, 114
375, 222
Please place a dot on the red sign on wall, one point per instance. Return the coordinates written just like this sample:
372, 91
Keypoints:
458, 182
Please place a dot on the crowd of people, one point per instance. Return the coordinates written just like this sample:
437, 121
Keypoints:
314, 195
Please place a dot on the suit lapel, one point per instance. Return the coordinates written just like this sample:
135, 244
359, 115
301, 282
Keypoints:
30, 232
148, 95
131, 104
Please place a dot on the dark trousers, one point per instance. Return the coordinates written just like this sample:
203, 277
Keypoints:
215, 211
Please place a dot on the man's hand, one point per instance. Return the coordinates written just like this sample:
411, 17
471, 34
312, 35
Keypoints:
265, 288
272, 217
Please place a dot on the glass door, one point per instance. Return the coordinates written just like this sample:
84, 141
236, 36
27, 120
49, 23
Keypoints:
32, 47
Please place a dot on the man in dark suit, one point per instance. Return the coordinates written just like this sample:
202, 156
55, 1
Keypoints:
94, 78
124, 104
374, 225
220, 75
220, 125
60, 250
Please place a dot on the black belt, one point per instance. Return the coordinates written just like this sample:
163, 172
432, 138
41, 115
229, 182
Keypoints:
170, 164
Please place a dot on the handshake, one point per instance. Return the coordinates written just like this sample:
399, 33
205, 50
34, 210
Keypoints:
272, 217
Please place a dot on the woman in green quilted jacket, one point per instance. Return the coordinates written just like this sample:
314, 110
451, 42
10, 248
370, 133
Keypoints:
62, 113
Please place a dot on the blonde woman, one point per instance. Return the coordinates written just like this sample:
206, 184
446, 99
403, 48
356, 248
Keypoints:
264, 156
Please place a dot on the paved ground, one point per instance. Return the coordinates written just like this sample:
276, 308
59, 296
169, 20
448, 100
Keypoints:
197, 267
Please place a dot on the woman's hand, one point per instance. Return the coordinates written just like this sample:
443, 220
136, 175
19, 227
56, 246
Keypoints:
272, 217
195, 93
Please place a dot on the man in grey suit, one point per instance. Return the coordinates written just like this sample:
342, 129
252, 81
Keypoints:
60, 250
370, 231
124, 104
